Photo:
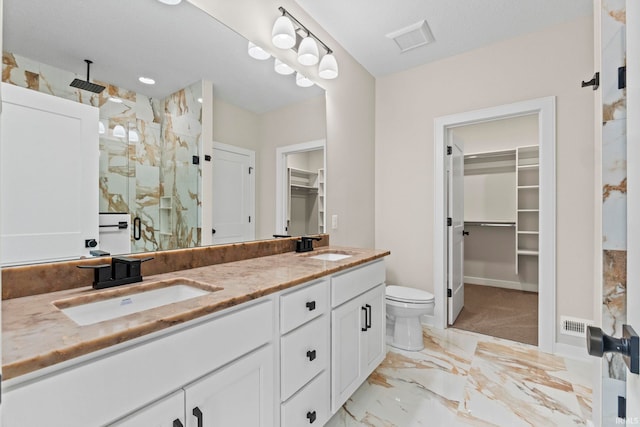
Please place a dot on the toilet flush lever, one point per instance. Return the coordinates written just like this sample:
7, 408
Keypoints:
599, 343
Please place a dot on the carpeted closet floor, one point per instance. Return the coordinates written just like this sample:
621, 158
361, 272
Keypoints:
498, 312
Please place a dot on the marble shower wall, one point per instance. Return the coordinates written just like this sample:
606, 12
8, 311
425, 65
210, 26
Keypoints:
135, 175
614, 179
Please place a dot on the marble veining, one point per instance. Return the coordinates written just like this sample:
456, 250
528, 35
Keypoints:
36, 334
462, 378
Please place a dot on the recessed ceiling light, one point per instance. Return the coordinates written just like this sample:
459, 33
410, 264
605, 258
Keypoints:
170, 2
147, 80
412, 36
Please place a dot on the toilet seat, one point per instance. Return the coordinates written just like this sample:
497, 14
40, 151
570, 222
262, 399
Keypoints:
404, 294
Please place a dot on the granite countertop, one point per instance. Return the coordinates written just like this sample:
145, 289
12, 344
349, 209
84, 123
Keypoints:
36, 334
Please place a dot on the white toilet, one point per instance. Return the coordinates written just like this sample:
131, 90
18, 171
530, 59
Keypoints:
404, 308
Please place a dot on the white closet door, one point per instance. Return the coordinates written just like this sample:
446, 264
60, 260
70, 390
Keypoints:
49, 176
233, 194
455, 280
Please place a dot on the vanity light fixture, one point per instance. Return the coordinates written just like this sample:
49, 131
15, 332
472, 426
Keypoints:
146, 80
289, 33
101, 128
303, 81
256, 52
283, 68
133, 136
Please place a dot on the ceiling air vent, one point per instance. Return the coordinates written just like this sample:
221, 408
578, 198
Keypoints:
412, 36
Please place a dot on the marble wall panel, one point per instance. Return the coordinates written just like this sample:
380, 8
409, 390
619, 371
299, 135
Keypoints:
613, 56
146, 207
614, 185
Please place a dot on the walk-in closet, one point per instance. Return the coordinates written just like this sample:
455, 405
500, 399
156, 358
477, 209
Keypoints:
501, 217
306, 193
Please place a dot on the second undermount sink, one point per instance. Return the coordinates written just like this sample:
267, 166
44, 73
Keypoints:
330, 257
98, 307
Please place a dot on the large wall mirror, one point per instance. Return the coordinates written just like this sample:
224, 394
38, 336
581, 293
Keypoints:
170, 152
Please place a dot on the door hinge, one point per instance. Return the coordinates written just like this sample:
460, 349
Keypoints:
249, 218
448, 293
622, 77
250, 169
449, 222
195, 160
449, 150
622, 407
207, 158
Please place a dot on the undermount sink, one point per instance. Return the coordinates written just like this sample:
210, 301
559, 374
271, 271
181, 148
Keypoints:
329, 255
107, 305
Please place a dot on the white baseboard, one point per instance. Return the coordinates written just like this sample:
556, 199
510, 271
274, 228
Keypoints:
571, 351
428, 320
506, 284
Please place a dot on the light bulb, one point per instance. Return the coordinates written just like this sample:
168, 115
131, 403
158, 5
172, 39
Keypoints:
119, 132
328, 68
282, 68
308, 51
283, 34
256, 52
303, 81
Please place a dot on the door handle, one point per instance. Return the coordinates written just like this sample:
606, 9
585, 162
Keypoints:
198, 414
365, 319
177, 423
137, 228
599, 343
311, 305
311, 416
311, 355
368, 315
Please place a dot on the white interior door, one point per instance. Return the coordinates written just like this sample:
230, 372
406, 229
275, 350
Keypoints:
233, 194
633, 194
455, 276
49, 156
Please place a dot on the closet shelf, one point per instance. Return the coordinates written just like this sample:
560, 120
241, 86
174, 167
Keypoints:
490, 223
527, 252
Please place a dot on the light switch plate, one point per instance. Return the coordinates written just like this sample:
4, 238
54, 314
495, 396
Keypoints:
334, 222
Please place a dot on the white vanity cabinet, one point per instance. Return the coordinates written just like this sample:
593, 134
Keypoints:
107, 386
305, 355
357, 328
167, 412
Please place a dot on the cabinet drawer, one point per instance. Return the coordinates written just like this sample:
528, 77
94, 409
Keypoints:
304, 353
310, 407
352, 283
303, 305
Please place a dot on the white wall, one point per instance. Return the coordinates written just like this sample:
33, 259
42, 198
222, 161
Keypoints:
350, 109
545, 63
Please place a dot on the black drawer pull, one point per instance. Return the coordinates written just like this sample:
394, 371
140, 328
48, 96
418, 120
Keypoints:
198, 414
177, 423
311, 416
311, 305
311, 355
368, 315
364, 329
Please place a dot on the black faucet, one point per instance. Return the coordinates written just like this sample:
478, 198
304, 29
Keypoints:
121, 271
305, 244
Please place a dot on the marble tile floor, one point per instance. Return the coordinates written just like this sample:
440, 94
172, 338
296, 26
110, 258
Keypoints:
463, 378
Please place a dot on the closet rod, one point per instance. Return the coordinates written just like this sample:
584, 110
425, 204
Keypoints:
490, 223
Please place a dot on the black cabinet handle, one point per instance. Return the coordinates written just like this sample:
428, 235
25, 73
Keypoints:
177, 423
198, 414
365, 319
311, 305
137, 228
311, 355
368, 315
311, 416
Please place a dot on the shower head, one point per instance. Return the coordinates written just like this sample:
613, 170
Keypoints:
86, 84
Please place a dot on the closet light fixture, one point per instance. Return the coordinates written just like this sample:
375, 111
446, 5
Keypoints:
282, 68
289, 33
119, 132
256, 52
